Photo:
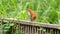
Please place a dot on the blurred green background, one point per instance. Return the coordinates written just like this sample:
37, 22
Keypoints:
48, 10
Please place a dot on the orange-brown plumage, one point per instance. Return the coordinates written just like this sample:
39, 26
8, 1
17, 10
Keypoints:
32, 14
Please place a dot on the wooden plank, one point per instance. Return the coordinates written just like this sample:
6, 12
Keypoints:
55, 26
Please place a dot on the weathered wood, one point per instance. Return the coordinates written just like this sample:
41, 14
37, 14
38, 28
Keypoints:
55, 26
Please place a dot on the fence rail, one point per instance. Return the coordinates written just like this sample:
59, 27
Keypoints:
28, 27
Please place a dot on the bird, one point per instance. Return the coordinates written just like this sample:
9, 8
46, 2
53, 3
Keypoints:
32, 14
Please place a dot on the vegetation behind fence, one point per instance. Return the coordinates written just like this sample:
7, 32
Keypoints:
48, 10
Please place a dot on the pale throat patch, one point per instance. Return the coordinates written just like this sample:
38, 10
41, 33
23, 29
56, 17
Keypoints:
29, 13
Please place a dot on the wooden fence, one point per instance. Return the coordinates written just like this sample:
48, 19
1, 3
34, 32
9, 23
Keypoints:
27, 27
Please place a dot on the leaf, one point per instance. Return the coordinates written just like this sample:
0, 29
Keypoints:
12, 24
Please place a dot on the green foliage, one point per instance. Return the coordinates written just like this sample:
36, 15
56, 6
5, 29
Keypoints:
7, 27
48, 10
